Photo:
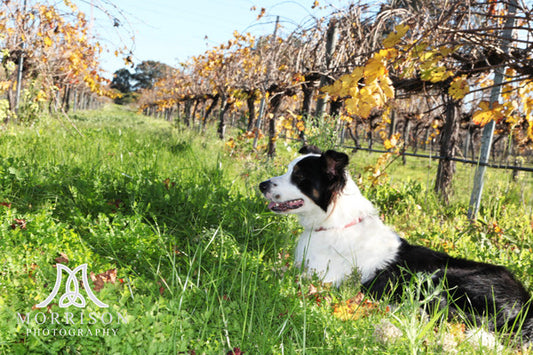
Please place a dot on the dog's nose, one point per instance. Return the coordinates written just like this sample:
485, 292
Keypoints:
264, 186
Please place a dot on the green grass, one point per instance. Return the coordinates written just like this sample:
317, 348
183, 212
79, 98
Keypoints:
201, 264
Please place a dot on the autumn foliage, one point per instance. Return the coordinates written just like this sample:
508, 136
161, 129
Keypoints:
395, 61
52, 46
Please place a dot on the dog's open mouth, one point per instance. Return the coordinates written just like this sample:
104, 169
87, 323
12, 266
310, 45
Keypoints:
285, 206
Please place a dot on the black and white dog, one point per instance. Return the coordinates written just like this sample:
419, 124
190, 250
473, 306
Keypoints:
343, 233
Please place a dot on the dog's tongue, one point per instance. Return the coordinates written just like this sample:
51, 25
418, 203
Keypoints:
285, 206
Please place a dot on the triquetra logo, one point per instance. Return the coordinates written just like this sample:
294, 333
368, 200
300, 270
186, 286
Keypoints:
72, 295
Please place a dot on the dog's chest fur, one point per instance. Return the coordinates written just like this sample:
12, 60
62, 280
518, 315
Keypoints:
337, 252
339, 247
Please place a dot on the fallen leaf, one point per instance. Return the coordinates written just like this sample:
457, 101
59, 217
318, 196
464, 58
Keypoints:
32, 267
48, 308
99, 281
116, 203
62, 258
235, 351
18, 223
168, 184
355, 308
312, 290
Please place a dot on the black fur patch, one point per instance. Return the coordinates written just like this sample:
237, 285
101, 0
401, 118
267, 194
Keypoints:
310, 149
320, 177
475, 288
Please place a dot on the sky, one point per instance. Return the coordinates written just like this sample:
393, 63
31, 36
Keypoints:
173, 31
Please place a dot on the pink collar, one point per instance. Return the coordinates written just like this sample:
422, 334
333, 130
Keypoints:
351, 224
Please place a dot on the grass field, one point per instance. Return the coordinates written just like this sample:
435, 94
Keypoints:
180, 245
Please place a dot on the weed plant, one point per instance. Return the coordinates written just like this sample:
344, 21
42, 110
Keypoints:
201, 265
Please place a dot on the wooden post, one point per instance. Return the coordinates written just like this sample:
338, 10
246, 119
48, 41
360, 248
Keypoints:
258, 122
224, 106
20, 64
75, 104
275, 102
488, 130
250, 101
331, 43
262, 104
187, 112
448, 147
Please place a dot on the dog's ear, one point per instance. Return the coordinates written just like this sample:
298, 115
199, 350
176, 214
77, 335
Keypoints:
336, 162
310, 149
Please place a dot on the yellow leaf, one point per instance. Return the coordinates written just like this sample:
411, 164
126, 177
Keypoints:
435, 74
334, 89
389, 54
345, 84
41, 96
483, 117
445, 51
386, 86
459, 88
346, 118
394, 37
47, 41
394, 142
486, 113
365, 104
300, 125
427, 56
355, 308
388, 144
230, 143
352, 80
509, 73
374, 68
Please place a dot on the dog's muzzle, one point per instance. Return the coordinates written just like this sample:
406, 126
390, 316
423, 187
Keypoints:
279, 207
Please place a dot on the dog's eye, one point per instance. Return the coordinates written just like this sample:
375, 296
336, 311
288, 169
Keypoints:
298, 177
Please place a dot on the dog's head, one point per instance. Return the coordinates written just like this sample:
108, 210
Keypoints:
312, 179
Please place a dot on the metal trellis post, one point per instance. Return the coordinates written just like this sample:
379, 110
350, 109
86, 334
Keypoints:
488, 130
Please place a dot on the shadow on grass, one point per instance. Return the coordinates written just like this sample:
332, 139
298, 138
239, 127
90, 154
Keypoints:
142, 219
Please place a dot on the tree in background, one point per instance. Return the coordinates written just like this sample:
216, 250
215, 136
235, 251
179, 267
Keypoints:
147, 73
50, 58
145, 76
122, 82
